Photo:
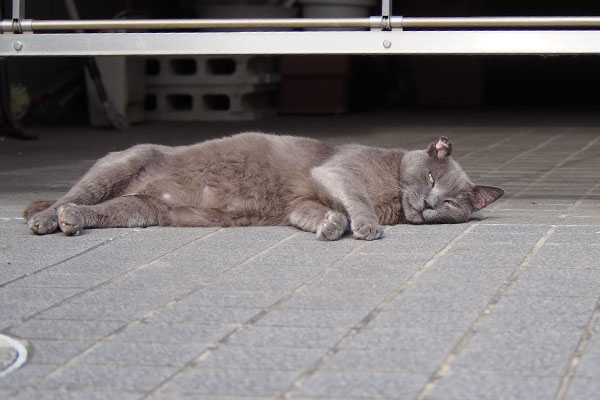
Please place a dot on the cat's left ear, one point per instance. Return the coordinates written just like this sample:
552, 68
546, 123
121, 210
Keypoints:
441, 148
485, 195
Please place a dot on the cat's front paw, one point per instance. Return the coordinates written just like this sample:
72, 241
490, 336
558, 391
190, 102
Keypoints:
333, 226
367, 230
70, 219
43, 222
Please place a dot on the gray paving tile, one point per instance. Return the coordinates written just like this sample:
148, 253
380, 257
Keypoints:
131, 378
77, 395
164, 332
262, 358
362, 385
589, 366
204, 315
56, 351
387, 259
312, 318
97, 312
428, 321
65, 329
583, 389
457, 387
546, 305
386, 360
531, 287
404, 340
518, 322
231, 298
567, 256
143, 354
231, 382
72, 280
258, 336
309, 301
439, 302
511, 363
534, 341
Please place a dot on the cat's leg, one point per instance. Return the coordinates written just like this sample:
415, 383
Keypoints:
120, 212
313, 216
107, 179
352, 194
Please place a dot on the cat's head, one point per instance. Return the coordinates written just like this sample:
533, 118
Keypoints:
435, 189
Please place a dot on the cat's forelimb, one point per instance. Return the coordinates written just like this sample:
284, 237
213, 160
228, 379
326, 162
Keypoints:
345, 187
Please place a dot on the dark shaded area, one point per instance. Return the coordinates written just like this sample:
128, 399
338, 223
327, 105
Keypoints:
58, 93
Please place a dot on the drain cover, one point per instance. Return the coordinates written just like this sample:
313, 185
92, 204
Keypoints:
12, 355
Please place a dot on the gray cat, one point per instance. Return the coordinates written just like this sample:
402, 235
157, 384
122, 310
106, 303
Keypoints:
259, 179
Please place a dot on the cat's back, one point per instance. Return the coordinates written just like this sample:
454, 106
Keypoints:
277, 150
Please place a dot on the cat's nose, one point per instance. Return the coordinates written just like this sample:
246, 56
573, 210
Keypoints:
428, 205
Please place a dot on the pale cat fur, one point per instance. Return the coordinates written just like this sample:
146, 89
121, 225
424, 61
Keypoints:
259, 179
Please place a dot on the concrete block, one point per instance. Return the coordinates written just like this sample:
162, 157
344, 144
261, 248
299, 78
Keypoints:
583, 388
204, 315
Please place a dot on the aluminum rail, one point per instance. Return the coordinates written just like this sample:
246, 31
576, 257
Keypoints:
395, 22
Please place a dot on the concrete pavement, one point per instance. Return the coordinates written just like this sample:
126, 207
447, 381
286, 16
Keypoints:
505, 306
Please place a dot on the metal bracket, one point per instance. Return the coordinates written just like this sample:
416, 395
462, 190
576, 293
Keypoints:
384, 23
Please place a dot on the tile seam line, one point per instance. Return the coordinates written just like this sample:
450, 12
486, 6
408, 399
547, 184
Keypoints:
444, 367
89, 249
261, 314
582, 345
19, 392
362, 324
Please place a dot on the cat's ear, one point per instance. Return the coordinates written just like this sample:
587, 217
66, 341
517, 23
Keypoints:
485, 195
440, 148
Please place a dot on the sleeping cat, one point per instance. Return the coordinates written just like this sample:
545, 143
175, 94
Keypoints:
259, 179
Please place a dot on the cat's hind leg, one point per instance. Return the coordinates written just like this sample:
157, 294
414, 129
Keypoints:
108, 178
120, 212
315, 217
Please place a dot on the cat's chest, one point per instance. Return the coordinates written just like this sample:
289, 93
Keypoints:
389, 210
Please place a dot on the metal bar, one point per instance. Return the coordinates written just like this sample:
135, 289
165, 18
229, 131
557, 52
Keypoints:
175, 24
305, 42
18, 9
421, 23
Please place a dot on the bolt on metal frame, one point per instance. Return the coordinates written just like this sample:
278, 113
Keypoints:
385, 34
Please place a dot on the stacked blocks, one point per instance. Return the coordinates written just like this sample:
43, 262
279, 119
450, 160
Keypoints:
201, 88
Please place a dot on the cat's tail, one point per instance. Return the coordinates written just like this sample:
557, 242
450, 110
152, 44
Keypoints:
36, 206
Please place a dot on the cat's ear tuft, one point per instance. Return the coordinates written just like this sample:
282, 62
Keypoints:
485, 195
441, 148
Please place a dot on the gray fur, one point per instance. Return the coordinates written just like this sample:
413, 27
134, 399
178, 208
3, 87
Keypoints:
260, 179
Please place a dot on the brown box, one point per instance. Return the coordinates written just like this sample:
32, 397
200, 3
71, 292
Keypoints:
314, 84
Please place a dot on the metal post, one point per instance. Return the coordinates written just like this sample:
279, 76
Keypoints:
386, 15
18, 14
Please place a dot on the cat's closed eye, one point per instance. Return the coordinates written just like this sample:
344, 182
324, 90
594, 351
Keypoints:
450, 203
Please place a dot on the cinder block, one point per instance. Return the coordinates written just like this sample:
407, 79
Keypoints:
212, 70
209, 102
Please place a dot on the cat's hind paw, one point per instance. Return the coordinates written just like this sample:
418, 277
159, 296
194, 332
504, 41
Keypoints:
70, 219
333, 226
367, 231
43, 222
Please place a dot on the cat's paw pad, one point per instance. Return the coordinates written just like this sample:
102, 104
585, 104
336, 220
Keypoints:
367, 231
333, 226
43, 222
70, 219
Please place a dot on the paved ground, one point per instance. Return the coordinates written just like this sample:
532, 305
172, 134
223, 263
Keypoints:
505, 306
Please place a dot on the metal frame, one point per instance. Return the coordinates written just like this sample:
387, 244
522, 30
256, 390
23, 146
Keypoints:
385, 34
